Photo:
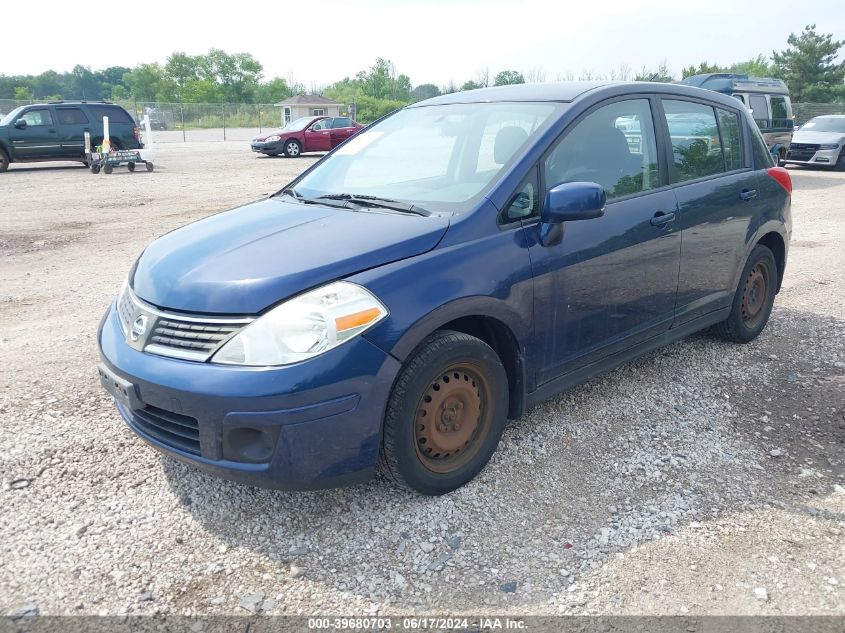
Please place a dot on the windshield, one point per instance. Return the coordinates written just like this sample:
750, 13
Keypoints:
299, 124
7, 120
438, 157
823, 124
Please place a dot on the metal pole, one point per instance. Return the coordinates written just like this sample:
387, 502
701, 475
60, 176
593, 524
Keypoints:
259, 118
224, 121
182, 118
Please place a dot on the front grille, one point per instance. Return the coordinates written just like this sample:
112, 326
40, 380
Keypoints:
125, 309
174, 429
805, 147
190, 336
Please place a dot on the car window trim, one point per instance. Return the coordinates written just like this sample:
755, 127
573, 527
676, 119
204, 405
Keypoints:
503, 221
673, 172
72, 107
661, 151
722, 140
35, 108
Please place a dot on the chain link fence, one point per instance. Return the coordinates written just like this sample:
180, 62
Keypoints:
180, 122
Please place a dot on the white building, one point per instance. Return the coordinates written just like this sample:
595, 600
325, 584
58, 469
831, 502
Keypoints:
307, 105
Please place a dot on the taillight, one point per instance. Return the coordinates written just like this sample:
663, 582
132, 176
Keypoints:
137, 134
782, 177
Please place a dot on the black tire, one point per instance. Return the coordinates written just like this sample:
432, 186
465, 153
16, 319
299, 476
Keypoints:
840, 164
462, 379
293, 148
108, 168
130, 166
95, 169
750, 309
4, 161
150, 166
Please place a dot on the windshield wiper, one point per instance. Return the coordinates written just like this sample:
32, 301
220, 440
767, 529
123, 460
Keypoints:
376, 201
293, 193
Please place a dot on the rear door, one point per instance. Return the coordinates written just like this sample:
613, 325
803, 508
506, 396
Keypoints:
718, 199
72, 123
342, 128
121, 125
39, 139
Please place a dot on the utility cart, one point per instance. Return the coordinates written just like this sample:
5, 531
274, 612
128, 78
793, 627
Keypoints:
103, 158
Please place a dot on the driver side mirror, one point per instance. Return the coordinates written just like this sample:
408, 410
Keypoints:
21, 124
567, 202
574, 201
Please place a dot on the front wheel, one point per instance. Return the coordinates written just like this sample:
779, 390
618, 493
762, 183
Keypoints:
130, 166
445, 415
4, 161
840, 164
753, 300
150, 166
292, 149
107, 168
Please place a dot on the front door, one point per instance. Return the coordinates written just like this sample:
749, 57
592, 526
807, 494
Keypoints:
610, 282
39, 139
318, 136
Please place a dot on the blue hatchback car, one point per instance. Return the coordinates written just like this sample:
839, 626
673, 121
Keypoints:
450, 266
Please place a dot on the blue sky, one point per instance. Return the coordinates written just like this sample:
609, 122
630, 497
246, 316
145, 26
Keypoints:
432, 41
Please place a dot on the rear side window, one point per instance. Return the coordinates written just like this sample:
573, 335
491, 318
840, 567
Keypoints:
731, 143
762, 156
779, 110
70, 116
40, 116
115, 114
341, 122
696, 146
613, 146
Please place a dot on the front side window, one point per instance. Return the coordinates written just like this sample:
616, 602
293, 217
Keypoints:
439, 157
40, 116
613, 146
731, 142
779, 110
525, 202
322, 124
70, 116
696, 146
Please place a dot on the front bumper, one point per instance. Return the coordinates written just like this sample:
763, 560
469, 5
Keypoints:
823, 157
323, 416
267, 148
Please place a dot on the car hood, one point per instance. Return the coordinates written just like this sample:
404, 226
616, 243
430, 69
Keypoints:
817, 137
244, 260
264, 137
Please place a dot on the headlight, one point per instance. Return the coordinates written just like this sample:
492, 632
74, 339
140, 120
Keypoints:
272, 139
304, 327
829, 146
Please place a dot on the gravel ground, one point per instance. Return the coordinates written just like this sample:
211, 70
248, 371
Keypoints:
704, 478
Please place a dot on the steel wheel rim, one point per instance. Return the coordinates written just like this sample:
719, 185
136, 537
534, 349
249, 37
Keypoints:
755, 294
453, 417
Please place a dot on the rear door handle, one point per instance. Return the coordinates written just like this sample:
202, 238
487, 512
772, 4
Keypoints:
748, 194
661, 218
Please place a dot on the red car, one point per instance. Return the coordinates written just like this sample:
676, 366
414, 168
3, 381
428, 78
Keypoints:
308, 134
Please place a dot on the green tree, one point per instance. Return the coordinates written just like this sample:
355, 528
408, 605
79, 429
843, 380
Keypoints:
23, 93
424, 91
471, 85
146, 82
508, 78
808, 66
661, 74
756, 67
273, 91
702, 69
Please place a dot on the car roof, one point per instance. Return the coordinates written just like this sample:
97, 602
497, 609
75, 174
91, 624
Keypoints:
829, 116
567, 92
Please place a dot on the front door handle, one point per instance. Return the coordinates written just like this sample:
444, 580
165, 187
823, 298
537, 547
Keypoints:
748, 194
661, 218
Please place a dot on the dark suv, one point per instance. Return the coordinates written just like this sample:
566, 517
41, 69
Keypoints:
56, 131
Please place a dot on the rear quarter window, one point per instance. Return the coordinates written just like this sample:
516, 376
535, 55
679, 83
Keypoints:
116, 114
70, 116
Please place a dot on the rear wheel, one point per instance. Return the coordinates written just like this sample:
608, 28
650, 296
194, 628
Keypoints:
445, 415
150, 166
292, 149
4, 161
107, 168
130, 166
753, 299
